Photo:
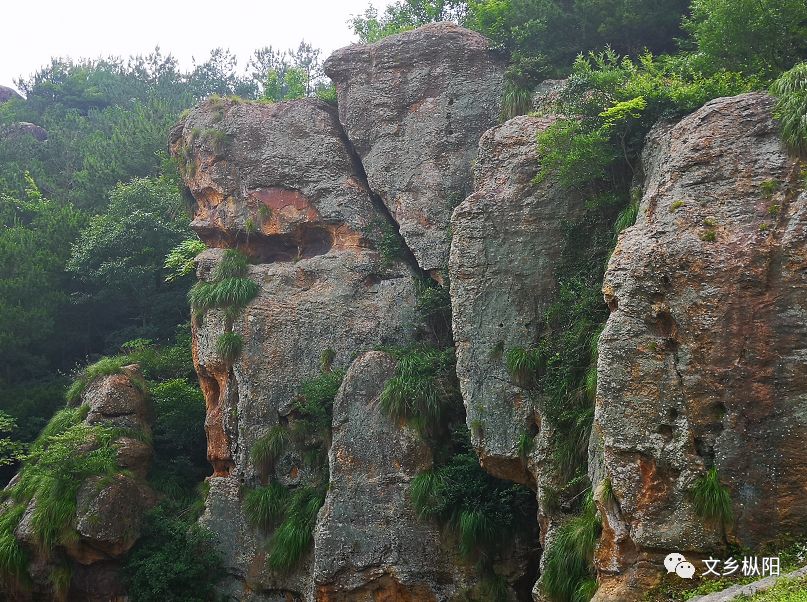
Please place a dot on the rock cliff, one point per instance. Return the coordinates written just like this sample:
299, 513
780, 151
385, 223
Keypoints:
701, 363
345, 214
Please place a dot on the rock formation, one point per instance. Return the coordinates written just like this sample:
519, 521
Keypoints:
343, 213
701, 363
414, 106
109, 509
7, 94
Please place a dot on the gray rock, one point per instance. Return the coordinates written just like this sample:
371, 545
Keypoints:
369, 543
508, 236
323, 285
7, 94
24, 128
701, 361
414, 106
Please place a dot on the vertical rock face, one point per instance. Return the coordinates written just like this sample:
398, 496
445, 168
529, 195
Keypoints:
7, 94
508, 237
702, 361
414, 106
369, 544
322, 286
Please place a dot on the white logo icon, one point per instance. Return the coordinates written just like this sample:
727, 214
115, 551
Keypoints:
673, 560
685, 570
676, 563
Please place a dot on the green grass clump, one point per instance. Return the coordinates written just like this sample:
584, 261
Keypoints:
709, 236
515, 101
229, 346
712, 499
265, 505
785, 590
268, 448
524, 365
424, 383
525, 444
626, 218
232, 265
791, 107
478, 510
676, 205
769, 187
103, 367
567, 570
13, 558
293, 536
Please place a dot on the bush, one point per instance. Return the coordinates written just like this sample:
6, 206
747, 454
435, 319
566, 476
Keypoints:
174, 560
712, 499
791, 107
181, 260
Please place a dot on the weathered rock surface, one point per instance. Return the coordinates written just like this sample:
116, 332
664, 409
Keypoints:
7, 94
508, 236
414, 106
323, 286
109, 510
702, 361
369, 543
24, 128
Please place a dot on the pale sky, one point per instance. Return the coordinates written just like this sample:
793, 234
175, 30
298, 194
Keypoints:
35, 30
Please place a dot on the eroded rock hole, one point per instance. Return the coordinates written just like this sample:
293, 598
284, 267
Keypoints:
305, 242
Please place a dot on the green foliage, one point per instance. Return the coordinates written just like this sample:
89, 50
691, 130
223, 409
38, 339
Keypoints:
480, 511
66, 453
264, 506
434, 308
174, 560
525, 444
229, 346
387, 240
294, 534
524, 365
11, 450
759, 37
326, 359
567, 570
404, 15
626, 218
791, 107
103, 367
515, 101
268, 448
13, 557
712, 499
423, 385
181, 260
227, 293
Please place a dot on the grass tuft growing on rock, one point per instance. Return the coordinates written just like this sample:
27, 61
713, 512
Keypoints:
424, 383
268, 448
791, 107
103, 367
228, 288
229, 346
264, 506
711, 499
567, 570
292, 538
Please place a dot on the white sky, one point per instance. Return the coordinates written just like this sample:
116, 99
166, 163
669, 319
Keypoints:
35, 30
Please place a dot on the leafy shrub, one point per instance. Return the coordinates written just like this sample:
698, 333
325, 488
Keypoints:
791, 107
229, 346
481, 512
174, 560
567, 570
712, 499
181, 260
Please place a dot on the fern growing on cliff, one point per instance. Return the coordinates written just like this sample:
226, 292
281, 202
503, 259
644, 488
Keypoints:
712, 499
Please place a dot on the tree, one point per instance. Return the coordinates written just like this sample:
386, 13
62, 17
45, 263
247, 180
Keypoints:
405, 15
117, 262
34, 246
755, 37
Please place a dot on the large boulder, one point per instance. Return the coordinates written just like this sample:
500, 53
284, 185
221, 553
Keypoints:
701, 363
7, 94
369, 543
413, 106
279, 183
